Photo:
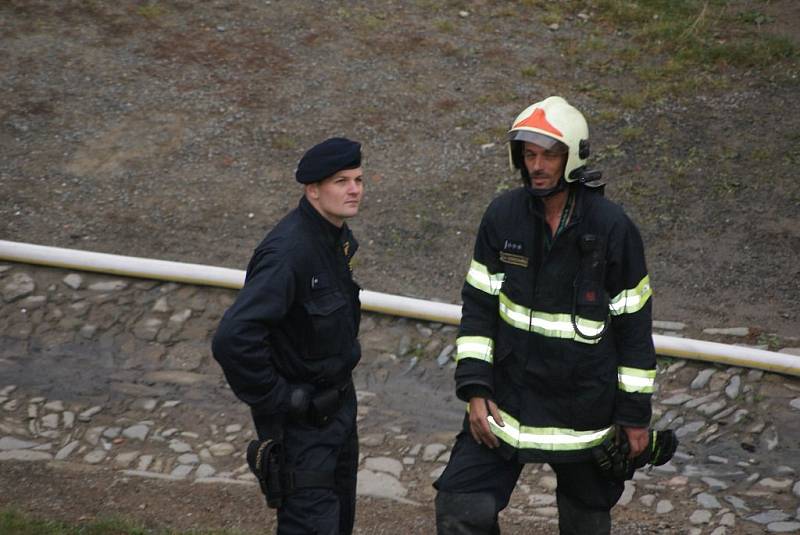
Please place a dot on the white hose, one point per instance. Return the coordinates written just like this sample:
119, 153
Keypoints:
747, 357
130, 266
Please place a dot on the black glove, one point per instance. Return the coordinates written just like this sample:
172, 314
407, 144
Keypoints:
611, 457
662, 447
612, 454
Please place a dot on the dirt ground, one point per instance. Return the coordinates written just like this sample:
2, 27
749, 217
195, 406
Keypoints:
161, 505
184, 506
171, 130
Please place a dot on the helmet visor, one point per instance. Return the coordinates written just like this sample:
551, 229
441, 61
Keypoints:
546, 142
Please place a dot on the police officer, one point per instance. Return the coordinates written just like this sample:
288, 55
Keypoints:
289, 342
555, 355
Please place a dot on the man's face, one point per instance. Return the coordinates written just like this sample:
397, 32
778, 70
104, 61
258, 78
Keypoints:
338, 196
545, 166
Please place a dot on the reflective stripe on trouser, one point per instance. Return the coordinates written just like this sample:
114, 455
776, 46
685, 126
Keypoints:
546, 323
474, 468
636, 380
544, 438
633, 299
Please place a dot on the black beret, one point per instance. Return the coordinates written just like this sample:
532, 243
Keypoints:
328, 158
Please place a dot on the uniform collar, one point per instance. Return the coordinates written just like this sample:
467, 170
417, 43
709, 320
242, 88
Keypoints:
537, 206
330, 233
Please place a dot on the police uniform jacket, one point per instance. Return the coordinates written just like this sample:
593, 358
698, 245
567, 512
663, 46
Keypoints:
295, 321
559, 337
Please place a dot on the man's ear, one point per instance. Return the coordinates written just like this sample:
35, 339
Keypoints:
312, 190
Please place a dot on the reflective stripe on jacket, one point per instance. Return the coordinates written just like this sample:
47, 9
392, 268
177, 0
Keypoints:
560, 339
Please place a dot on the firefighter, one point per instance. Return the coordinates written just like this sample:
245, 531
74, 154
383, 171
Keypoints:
555, 353
288, 345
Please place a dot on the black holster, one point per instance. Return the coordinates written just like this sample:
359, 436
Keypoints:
320, 408
324, 405
266, 461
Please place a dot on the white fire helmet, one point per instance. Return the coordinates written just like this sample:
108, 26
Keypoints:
550, 123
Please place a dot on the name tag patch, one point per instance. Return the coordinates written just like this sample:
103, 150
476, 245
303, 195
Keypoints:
512, 254
514, 259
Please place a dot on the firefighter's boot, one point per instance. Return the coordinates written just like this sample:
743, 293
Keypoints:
466, 514
573, 519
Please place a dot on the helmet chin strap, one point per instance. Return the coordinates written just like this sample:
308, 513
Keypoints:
543, 193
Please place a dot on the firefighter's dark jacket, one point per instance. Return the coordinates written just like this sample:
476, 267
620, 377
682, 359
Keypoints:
559, 389
295, 321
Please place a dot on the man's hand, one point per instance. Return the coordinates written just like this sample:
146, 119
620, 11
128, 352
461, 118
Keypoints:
638, 437
479, 411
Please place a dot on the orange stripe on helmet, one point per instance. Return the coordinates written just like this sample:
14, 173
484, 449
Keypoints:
538, 120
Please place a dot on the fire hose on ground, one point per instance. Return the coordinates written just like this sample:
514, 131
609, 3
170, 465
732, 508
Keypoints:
395, 305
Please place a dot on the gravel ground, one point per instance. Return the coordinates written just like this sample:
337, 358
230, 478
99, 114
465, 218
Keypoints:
171, 129
111, 404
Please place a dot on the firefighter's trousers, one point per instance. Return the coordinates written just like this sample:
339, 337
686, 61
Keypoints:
477, 484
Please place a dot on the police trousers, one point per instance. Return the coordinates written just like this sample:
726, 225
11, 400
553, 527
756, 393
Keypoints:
477, 484
332, 447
